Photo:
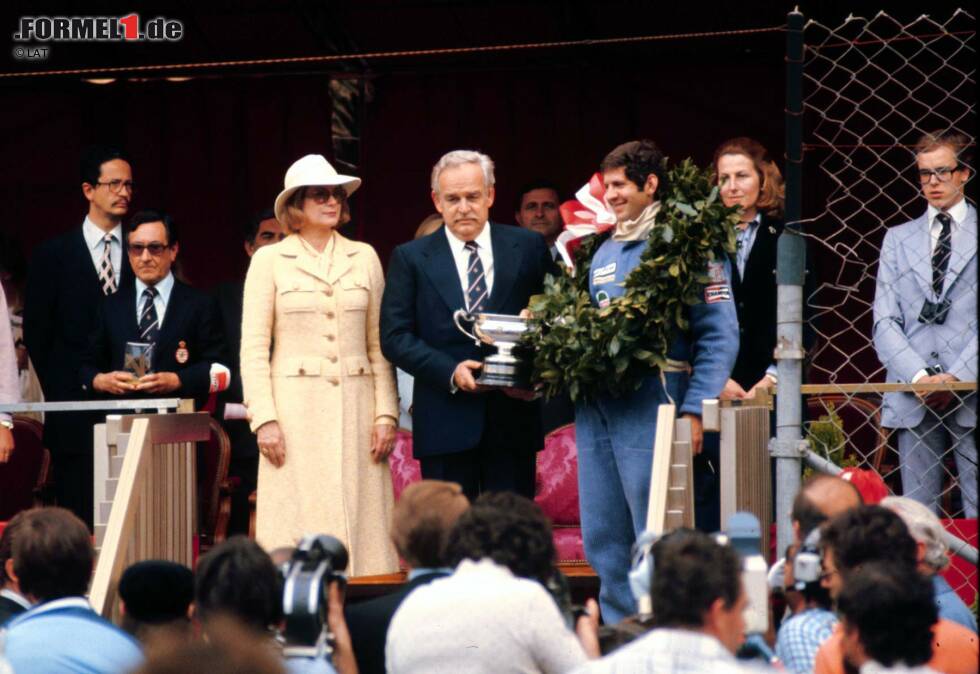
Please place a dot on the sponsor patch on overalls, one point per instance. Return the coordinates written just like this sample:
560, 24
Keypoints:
717, 293
605, 274
716, 272
602, 298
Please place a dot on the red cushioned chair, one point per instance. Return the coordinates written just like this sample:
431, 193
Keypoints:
556, 485
556, 492
25, 475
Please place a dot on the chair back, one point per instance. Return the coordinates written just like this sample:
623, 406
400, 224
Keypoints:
26, 472
556, 477
404, 468
213, 459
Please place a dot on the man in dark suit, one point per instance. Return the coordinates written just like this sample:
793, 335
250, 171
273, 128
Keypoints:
180, 323
262, 230
485, 440
69, 277
420, 524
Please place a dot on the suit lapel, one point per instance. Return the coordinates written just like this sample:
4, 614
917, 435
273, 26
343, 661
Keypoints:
127, 321
342, 262
173, 316
964, 248
761, 254
292, 247
918, 251
440, 267
85, 258
506, 259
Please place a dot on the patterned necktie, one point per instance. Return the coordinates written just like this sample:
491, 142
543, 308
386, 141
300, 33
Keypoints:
476, 280
149, 323
107, 277
940, 256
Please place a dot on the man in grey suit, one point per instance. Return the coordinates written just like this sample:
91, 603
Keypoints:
925, 324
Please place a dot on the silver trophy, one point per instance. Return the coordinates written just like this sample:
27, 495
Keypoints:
503, 331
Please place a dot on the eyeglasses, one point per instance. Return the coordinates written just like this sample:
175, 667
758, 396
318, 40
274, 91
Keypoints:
116, 186
943, 174
321, 195
156, 249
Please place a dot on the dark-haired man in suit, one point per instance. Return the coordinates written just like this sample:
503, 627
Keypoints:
483, 440
180, 322
69, 277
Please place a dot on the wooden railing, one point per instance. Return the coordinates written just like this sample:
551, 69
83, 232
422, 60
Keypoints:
152, 488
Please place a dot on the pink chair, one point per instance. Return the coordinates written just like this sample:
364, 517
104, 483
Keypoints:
404, 469
556, 486
556, 492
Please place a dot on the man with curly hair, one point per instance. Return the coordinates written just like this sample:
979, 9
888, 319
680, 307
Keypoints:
615, 435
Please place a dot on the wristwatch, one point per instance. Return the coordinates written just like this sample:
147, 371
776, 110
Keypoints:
934, 370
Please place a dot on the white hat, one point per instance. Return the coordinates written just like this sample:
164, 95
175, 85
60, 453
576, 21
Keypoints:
313, 169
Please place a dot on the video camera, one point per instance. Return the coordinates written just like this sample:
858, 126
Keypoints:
318, 561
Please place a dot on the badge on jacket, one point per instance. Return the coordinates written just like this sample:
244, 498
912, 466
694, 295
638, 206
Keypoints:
182, 355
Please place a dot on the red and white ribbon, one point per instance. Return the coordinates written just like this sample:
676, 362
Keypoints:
585, 215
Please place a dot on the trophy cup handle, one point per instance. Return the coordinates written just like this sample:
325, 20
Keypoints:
463, 315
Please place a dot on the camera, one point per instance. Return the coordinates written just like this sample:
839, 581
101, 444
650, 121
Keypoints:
934, 313
318, 561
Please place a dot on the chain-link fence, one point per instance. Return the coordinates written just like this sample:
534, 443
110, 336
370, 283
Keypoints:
894, 297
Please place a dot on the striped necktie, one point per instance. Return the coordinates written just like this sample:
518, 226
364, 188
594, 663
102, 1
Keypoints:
107, 277
476, 280
940, 256
149, 322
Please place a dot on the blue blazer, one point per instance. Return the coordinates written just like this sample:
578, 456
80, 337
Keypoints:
905, 345
418, 335
191, 323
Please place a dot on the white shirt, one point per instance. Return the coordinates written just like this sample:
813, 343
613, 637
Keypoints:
957, 215
462, 257
16, 598
668, 651
95, 240
481, 619
872, 667
164, 287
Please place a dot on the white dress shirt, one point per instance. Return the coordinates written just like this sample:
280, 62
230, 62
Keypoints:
462, 257
164, 287
95, 240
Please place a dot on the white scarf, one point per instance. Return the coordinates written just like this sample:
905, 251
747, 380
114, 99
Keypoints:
637, 230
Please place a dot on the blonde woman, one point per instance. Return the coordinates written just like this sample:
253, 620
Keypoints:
320, 395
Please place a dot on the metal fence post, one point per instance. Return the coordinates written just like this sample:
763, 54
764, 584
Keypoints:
790, 266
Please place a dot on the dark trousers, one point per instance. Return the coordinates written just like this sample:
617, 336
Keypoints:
484, 468
244, 468
73, 476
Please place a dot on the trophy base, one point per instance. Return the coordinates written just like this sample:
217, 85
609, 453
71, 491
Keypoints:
504, 375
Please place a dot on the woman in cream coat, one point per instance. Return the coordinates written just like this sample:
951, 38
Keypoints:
321, 398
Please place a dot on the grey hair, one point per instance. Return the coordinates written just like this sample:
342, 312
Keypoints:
458, 158
924, 526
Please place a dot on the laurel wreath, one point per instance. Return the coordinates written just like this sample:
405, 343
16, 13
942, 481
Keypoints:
589, 351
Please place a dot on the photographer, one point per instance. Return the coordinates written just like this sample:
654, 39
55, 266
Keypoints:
494, 613
238, 579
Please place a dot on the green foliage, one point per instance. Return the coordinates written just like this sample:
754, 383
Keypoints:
826, 437
589, 351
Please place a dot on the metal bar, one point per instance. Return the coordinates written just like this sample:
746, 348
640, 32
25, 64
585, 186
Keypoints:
790, 265
889, 387
94, 405
956, 545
